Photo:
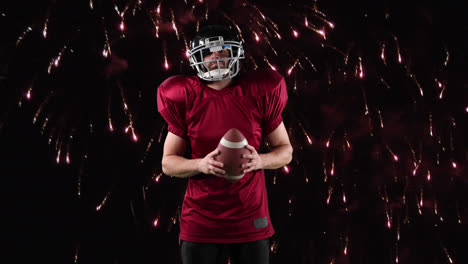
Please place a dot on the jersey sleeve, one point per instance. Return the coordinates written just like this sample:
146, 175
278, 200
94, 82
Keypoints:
276, 97
171, 100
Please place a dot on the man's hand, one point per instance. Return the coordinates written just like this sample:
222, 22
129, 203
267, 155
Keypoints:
208, 165
256, 162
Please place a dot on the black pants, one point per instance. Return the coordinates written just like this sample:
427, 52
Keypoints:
255, 252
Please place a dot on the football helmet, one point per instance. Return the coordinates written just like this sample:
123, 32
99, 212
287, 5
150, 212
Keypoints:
216, 38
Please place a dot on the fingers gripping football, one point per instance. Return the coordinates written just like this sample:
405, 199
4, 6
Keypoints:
255, 162
208, 165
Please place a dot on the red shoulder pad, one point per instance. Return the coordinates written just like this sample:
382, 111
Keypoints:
174, 88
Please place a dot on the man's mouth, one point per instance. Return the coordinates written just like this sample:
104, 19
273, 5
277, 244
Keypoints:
214, 65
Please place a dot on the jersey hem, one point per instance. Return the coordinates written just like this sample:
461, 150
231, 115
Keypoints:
224, 240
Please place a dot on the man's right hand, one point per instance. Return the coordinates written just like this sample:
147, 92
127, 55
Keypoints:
208, 165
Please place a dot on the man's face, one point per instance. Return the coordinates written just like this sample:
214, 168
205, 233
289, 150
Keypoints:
224, 53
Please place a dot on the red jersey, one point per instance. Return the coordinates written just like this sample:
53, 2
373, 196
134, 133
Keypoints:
215, 210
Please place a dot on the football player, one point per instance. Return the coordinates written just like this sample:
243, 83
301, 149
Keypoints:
220, 218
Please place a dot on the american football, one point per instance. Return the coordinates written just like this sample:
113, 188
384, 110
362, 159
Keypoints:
232, 146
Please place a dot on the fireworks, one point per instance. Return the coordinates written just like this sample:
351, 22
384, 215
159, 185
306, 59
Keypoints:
358, 97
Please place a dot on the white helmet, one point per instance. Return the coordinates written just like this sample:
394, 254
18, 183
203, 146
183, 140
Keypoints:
214, 38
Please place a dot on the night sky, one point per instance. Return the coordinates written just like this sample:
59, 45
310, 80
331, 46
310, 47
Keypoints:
377, 116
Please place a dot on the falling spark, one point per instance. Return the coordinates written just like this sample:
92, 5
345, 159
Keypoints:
419, 207
157, 178
415, 170
389, 219
44, 30
454, 165
158, 9
271, 46
122, 26
421, 201
347, 141
274, 246
80, 175
311, 64
99, 207
345, 251
148, 147
361, 70
344, 197
58, 156
430, 125
365, 102
67, 158
295, 33
286, 169
309, 140
257, 38
395, 157
166, 63
327, 144
454, 124
417, 84
321, 32
41, 106
157, 21
269, 64
428, 175
254, 63
382, 54
330, 191
398, 232
77, 249
380, 118
447, 254
293, 66
156, 222
174, 26
447, 56
109, 119
134, 136
28, 93
107, 49
442, 91
325, 175
332, 170
400, 60
458, 213
44, 125
385, 83
23, 35
55, 61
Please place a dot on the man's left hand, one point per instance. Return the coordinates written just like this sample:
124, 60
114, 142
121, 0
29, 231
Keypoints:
255, 163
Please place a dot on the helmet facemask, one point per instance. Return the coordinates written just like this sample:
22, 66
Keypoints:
205, 46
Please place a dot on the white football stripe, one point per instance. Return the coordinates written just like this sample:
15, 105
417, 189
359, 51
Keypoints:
230, 144
233, 177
